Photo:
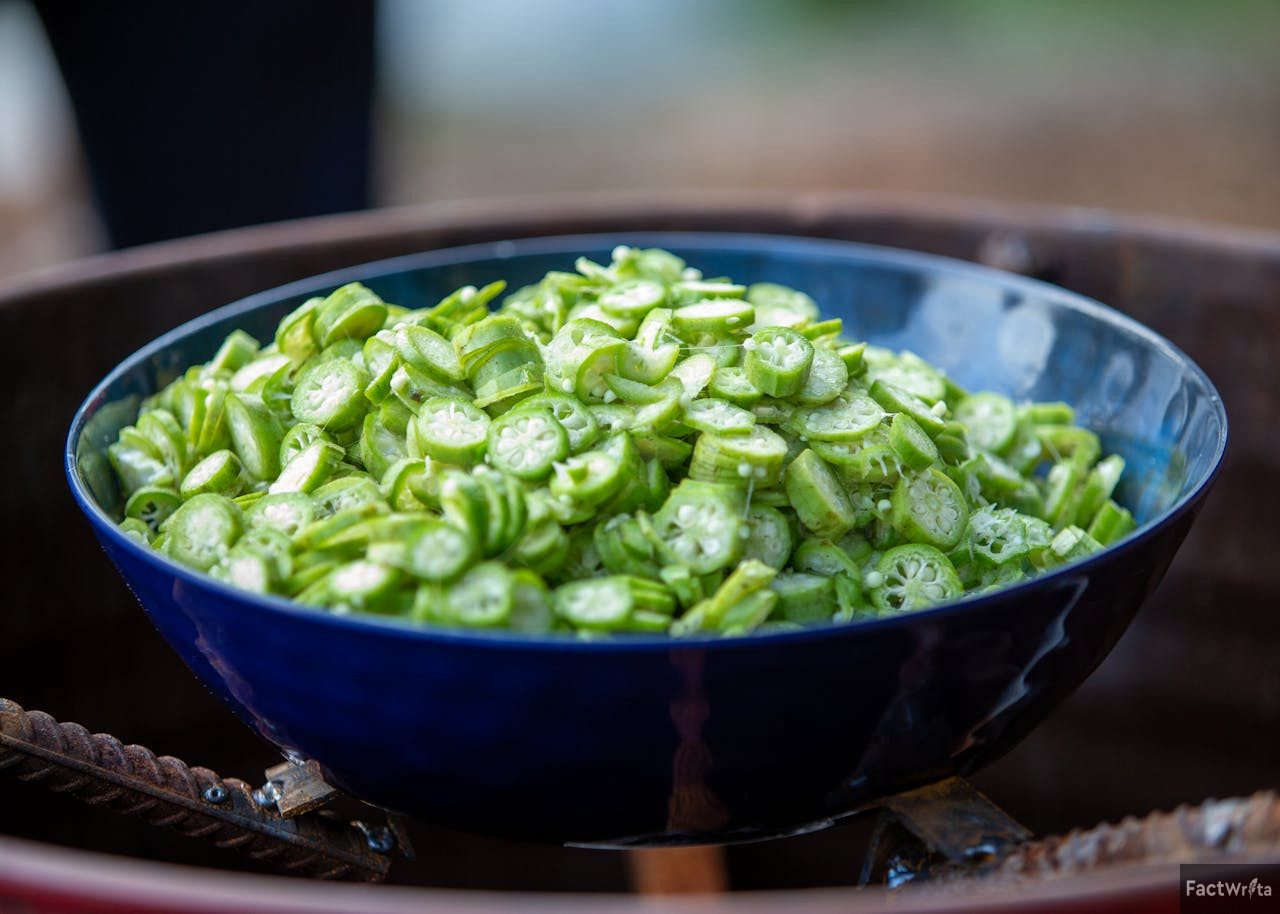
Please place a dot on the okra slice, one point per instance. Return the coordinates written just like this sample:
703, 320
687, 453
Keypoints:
600, 604
1069, 442
352, 312
1060, 487
330, 393
716, 315
987, 477
648, 364
851, 603
413, 387
719, 416
293, 334
906, 372
928, 507
578, 422
1068, 544
137, 530
136, 462
780, 306
526, 443
698, 525
711, 614
755, 456
430, 352
347, 492
202, 530
817, 496
439, 552
672, 453
164, 431
777, 360
848, 418
285, 512
152, 505
273, 546
733, 385
219, 473
409, 484
588, 479
825, 558
465, 504
1111, 523
484, 597
531, 604
247, 572
989, 419
749, 613
998, 535
543, 548
381, 361
768, 536
379, 446
1049, 413
610, 539
362, 585
653, 353
507, 511
661, 411
236, 351
899, 400
911, 444
453, 431
480, 342
256, 435
309, 468
509, 389
575, 344
212, 433
695, 374
695, 289
652, 263
253, 375
634, 298
1097, 488
853, 357
912, 576
953, 445
870, 460
804, 598
827, 379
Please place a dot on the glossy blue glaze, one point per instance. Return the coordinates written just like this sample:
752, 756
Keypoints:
648, 739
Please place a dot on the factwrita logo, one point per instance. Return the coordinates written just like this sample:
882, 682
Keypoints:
1224, 889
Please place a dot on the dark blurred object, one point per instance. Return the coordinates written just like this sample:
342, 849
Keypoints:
210, 115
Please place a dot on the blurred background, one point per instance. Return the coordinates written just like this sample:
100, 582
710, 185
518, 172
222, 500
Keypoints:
1159, 106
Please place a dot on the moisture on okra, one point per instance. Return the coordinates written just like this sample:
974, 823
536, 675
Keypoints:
625, 447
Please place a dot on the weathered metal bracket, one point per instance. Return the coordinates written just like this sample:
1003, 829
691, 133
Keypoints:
279, 823
950, 822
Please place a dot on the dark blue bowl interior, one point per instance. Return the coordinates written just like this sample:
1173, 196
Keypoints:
644, 738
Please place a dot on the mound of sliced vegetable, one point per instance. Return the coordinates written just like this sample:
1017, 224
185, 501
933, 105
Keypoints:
629, 447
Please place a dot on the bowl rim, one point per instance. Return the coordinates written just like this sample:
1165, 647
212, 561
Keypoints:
685, 241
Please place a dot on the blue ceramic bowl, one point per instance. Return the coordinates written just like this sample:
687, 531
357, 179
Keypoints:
646, 739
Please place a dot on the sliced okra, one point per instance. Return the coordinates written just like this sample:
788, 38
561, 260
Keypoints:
777, 360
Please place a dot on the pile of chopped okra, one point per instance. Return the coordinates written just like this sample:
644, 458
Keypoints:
629, 447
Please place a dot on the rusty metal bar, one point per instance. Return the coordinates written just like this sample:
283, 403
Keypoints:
1237, 828
98, 769
951, 836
